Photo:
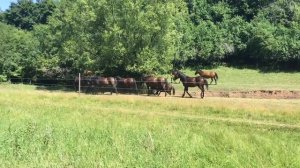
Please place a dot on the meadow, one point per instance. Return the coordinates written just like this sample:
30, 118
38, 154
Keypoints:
232, 79
40, 128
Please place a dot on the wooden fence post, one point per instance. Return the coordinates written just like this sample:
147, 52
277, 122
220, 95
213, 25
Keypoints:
79, 83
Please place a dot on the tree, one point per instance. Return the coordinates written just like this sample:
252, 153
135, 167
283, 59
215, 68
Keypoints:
25, 13
275, 41
115, 36
18, 52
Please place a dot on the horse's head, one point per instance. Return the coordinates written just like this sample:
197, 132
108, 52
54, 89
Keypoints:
175, 74
198, 72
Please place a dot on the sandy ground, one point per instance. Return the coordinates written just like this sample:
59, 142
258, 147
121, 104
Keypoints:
264, 94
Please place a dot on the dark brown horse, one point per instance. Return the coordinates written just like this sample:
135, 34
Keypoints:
208, 74
168, 88
127, 85
155, 84
104, 84
190, 82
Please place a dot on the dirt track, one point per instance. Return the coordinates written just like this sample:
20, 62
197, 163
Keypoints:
264, 94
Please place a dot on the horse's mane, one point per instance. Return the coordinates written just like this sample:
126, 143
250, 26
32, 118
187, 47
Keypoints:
182, 74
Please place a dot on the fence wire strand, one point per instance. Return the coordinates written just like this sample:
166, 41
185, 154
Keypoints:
72, 85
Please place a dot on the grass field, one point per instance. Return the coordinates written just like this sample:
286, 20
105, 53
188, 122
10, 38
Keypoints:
248, 79
41, 128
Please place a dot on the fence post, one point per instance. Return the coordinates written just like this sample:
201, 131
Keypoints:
79, 83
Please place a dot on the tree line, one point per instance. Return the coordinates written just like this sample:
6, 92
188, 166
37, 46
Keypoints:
55, 38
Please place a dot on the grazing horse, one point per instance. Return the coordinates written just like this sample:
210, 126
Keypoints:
155, 83
190, 82
127, 84
168, 88
208, 74
103, 84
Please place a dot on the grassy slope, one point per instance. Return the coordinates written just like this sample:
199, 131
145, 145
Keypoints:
40, 129
247, 79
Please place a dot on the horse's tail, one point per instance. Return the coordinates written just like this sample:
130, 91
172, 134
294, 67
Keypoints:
206, 83
216, 76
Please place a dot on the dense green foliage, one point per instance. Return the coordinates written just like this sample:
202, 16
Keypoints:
118, 37
25, 13
19, 56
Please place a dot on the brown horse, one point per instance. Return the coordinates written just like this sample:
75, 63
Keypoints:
190, 82
155, 83
127, 85
104, 84
168, 88
208, 74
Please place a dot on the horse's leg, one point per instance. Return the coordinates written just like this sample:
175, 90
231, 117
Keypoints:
111, 90
164, 90
116, 90
158, 92
101, 90
201, 87
202, 92
215, 79
185, 88
136, 88
148, 90
211, 80
187, 91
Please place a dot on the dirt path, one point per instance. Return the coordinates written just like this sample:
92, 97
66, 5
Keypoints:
265, 94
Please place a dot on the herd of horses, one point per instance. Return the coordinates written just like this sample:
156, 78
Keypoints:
154, 85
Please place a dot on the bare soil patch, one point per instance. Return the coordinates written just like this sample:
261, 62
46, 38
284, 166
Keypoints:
263, 94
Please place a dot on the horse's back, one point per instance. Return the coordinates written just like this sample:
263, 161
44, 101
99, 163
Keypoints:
190, 81
127, 82
112, 81
206, 74
150, 81
155, 82
105, 81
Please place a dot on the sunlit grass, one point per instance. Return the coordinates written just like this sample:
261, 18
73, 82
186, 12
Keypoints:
248, 79
64, 129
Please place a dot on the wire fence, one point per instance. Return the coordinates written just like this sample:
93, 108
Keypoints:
70, 84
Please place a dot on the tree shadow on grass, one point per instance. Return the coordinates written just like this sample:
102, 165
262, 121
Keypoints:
55, 88
266, 69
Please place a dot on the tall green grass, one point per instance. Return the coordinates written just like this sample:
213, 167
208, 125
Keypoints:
248, 79
58, 129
